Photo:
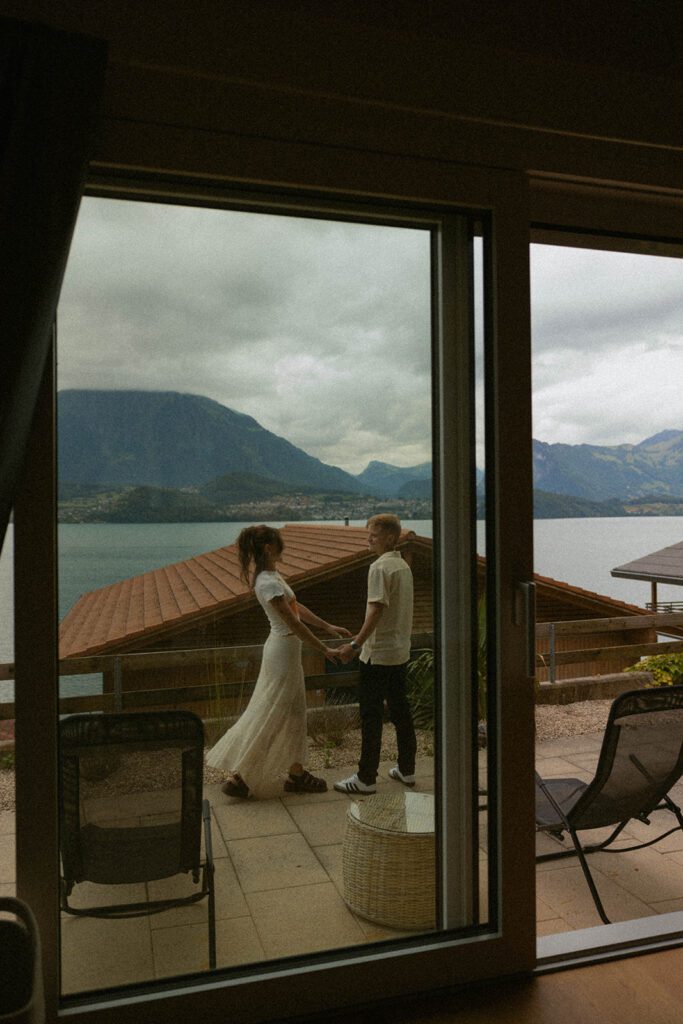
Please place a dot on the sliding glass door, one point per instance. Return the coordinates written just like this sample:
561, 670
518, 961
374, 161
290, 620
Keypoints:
608, 352
237, 360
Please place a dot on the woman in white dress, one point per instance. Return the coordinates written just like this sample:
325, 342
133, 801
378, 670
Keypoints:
268, 744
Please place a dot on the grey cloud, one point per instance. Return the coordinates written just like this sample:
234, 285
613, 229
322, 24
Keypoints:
321, 330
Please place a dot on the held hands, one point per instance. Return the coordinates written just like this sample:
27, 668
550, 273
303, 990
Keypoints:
333, 654
346, 653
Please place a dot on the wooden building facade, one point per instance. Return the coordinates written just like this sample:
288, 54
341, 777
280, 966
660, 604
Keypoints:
202, 605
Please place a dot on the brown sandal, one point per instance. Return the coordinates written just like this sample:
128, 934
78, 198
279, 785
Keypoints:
305, 783
236, 786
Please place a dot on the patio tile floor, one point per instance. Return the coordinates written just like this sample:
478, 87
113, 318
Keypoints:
279, 885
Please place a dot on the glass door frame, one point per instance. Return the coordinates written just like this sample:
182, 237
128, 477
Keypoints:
590, 215
361, 974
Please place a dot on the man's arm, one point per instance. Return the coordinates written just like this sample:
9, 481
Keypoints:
373, 614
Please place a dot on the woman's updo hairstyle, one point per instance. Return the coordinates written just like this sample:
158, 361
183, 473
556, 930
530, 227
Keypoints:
251, 547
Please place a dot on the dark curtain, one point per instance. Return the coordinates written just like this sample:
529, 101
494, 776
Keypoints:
50, 88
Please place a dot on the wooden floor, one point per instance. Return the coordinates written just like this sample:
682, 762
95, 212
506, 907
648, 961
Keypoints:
639, 990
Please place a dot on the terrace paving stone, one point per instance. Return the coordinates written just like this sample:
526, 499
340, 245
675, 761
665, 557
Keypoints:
229, 897
661, 822
8, 873
248, 819
373, 932
668, 906
279, 881
676, 857
275, 862
544, 912
646, 874
183, 950
331, 859
7, 823
90, 894
303, 919
587, 762
557, 767
552, 926
568, 895
302, 799
569, 745
98, 953
320, 824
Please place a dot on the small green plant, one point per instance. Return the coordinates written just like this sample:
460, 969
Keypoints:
666, 669
420, 689
7, 760
420, 677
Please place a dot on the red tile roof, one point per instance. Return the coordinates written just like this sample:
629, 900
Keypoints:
177, 595
174, 596
571, 591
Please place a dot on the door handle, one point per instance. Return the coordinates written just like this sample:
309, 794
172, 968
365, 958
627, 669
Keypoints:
528, 590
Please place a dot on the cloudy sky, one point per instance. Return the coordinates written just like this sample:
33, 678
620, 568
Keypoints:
320, 330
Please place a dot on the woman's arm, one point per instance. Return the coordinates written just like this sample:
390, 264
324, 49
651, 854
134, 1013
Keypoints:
284, 610
314, 620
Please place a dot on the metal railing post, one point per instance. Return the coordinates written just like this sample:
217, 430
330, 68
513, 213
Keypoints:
551, 638
118, 685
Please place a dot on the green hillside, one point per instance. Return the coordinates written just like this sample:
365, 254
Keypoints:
168, 439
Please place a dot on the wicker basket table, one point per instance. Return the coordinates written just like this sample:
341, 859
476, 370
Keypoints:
389, 862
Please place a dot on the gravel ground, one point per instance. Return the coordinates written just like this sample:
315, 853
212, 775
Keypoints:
552, 722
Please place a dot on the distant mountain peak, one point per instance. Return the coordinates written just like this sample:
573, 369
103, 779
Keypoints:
175, 439
388, 481
661, 438
602, 472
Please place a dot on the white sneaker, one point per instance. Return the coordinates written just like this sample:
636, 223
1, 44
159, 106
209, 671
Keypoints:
354, 785
407, 780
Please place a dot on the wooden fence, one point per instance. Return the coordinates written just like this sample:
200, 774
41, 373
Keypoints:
206, 693
660, 622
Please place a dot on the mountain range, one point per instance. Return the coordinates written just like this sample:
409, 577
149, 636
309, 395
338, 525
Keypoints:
601, 472
389, 481
166, 439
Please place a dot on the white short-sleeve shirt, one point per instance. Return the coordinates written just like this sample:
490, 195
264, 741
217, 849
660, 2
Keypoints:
270, 584
390, 582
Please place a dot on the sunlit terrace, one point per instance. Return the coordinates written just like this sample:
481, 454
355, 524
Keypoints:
279, 884
279, 864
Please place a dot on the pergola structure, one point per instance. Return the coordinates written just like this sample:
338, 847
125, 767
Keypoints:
663, 566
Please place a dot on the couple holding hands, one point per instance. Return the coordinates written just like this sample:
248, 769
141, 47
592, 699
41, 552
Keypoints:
266, 748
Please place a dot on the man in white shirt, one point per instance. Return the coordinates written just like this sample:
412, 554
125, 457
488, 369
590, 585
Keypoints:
384, 645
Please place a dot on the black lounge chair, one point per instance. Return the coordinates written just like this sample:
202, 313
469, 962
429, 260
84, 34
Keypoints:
640, 760
116, 828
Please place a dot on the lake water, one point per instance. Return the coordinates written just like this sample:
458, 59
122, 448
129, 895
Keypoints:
577, 551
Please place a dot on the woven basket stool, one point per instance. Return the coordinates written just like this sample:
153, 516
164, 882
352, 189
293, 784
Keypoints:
389, 860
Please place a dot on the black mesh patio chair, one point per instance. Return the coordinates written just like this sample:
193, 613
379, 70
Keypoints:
640, 760
131, 810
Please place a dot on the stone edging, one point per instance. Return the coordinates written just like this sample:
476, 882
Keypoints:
569, 691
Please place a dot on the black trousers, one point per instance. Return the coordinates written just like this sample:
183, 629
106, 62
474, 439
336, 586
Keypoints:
377, 684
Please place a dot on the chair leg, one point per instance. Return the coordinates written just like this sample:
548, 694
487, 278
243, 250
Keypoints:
212, 919
589, 877
209, 882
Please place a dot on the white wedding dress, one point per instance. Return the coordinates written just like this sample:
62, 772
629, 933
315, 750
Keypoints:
270, 735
